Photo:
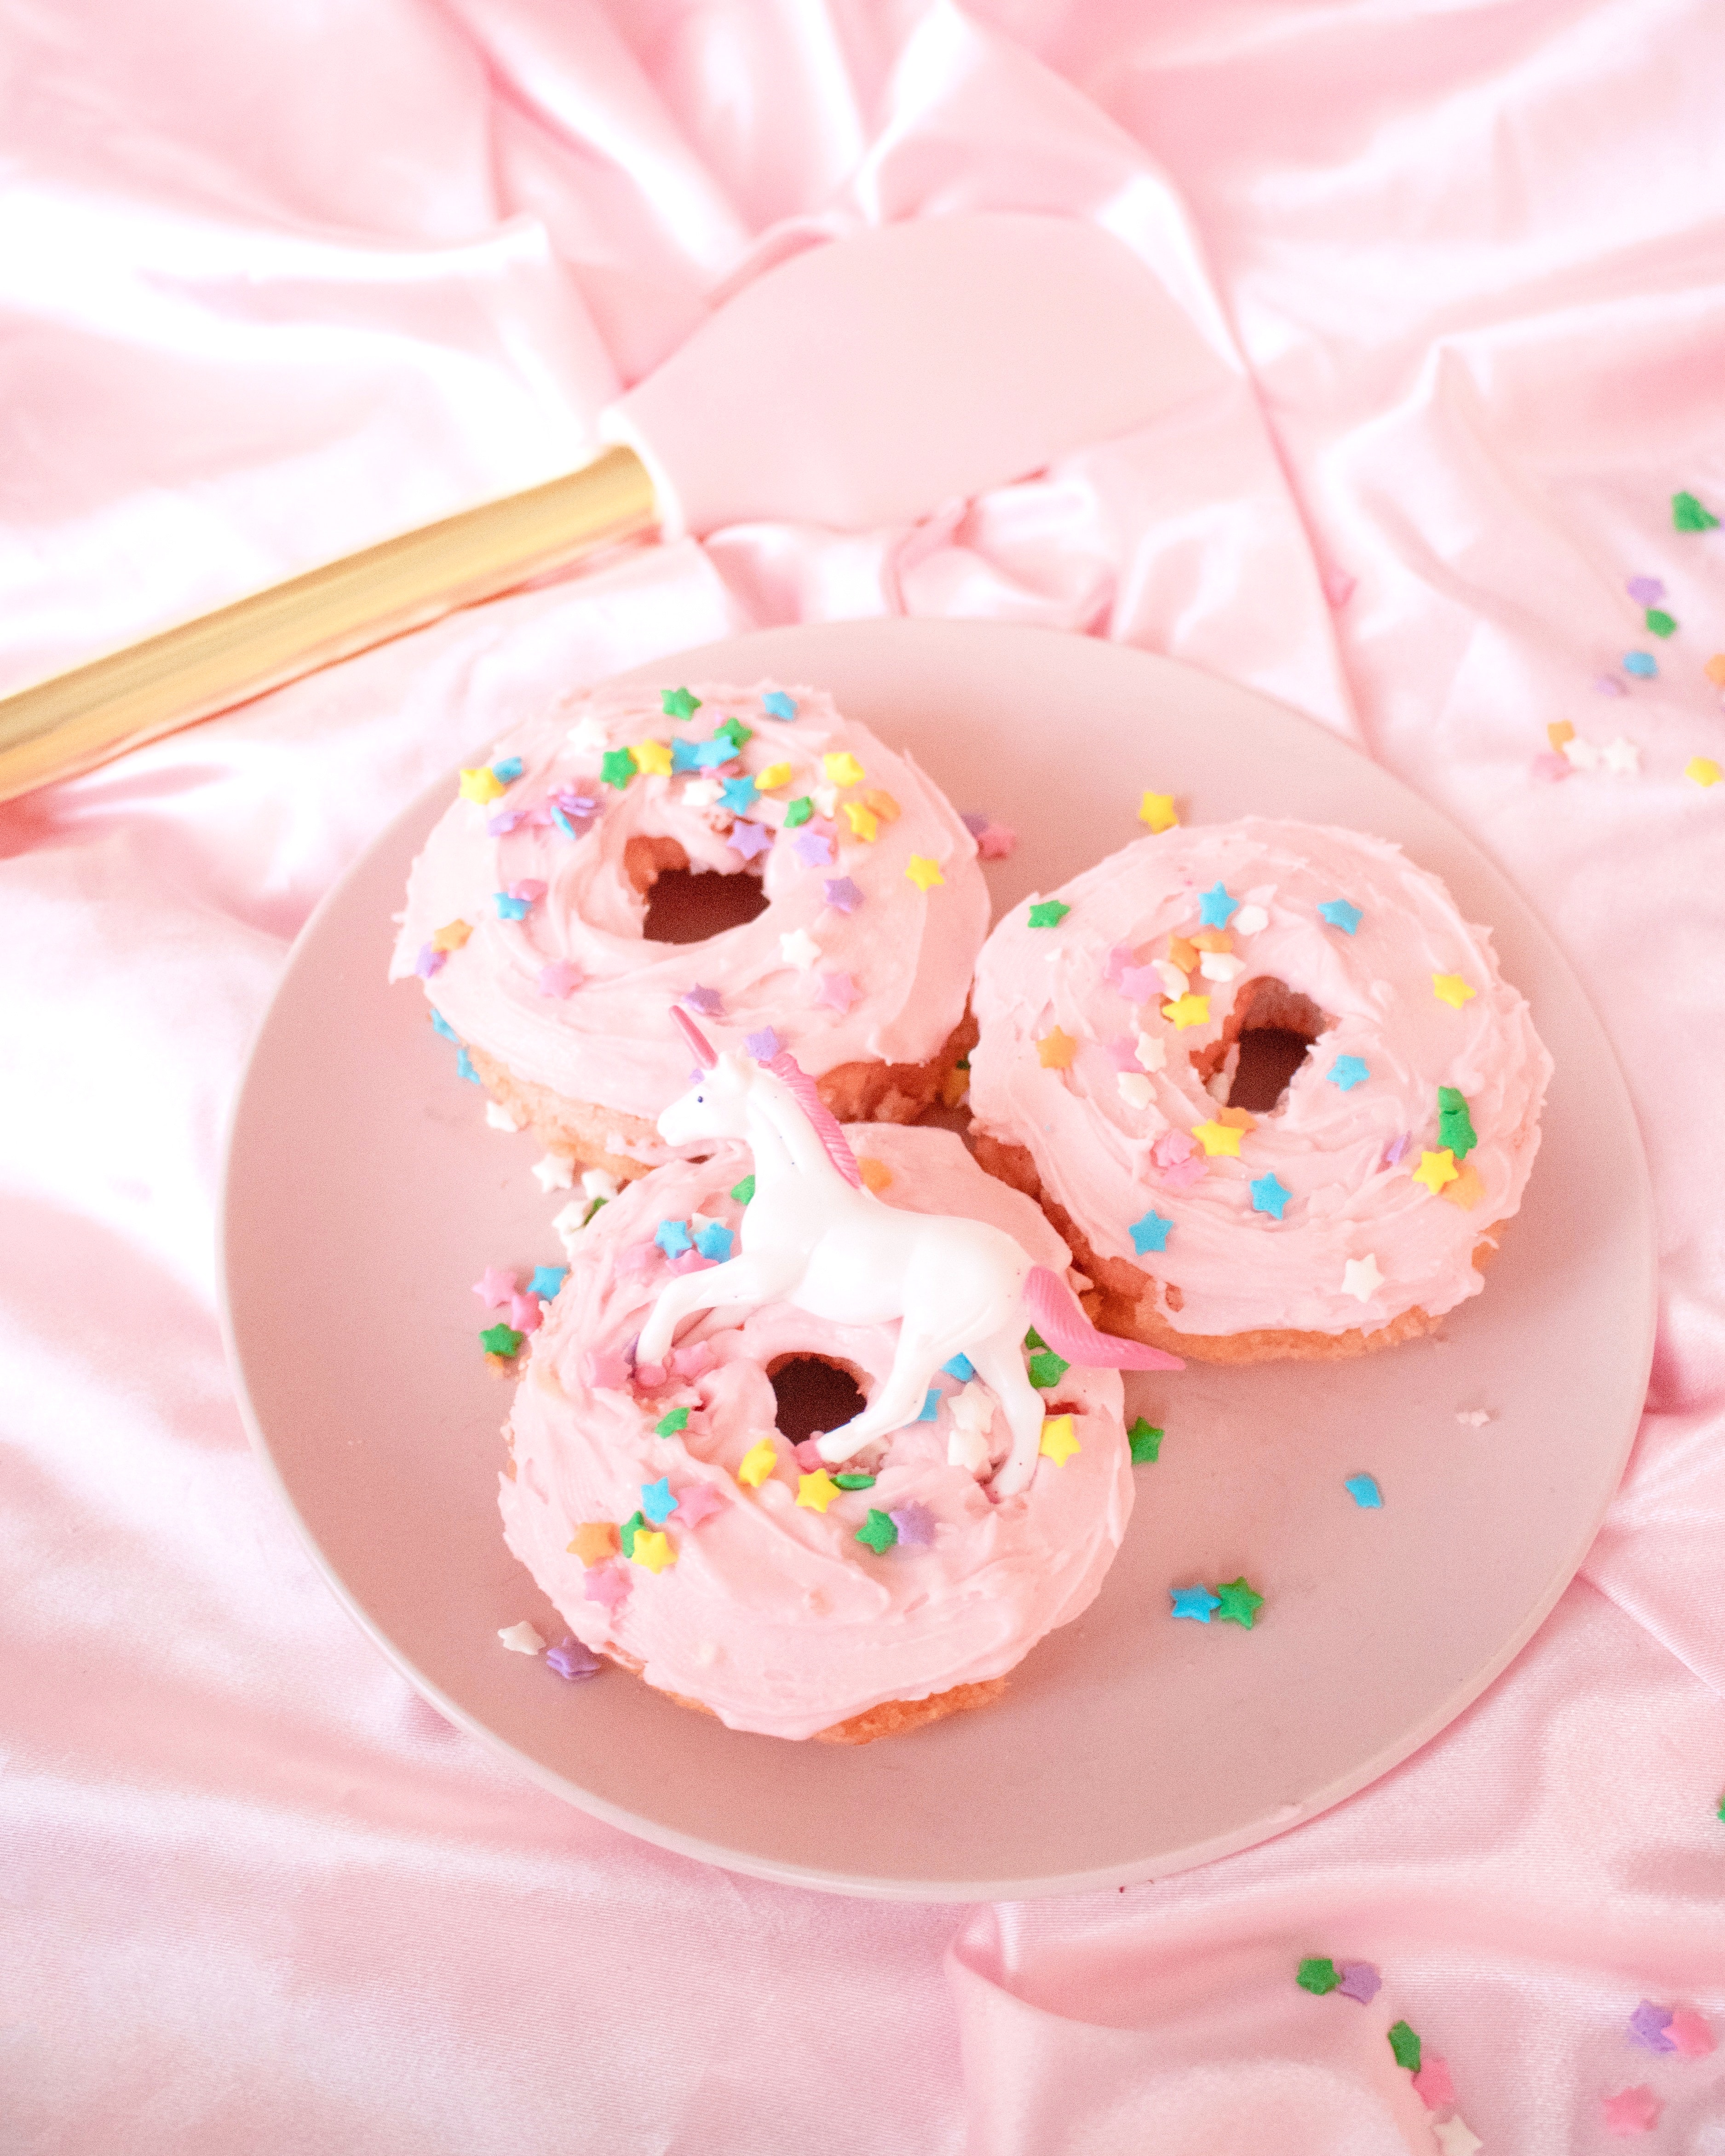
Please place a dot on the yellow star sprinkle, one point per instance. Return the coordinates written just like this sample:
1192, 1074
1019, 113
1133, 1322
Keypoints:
843, 769
653, 1549
1451, 989
876, 1175
595, 1540
1218, 1138
1188, 1010
1057, 1442
883, 805
817, 1491
1158, 811
775, 774
1467, 1189
1702, 770
451, 936
1055, 1051
864, 823
1436, 1169
481, 784
653, 756
758, 1462
923, 872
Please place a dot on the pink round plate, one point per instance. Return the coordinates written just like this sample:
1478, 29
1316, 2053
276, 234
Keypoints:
365, 1193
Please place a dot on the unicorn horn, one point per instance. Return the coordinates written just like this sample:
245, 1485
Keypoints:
706, 1053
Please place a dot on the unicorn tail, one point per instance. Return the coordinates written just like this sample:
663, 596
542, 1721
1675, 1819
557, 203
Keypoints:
1057, 1316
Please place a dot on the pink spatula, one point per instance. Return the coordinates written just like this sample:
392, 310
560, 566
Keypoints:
860, 384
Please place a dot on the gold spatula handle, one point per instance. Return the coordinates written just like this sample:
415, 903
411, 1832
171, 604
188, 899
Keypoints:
79, 720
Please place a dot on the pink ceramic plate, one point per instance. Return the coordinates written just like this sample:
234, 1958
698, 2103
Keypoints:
365, 1193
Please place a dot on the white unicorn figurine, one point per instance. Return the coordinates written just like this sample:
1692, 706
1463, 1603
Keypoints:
812, 1235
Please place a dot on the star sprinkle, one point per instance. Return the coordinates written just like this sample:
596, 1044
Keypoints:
738, 795
777, 704
1046, 1369
1647, 2027
1348, 1071
670, 1424
876, 1174
842, 895
714, 1240
1134, 1088
1451, 988
1405, 2045
1151, 1233
1659, 622
1360, 1981
685, 756
1690, 2036
1145, 1439
1364, 1492
559, 979
915, 1524
1047, 913
705, 1002
1187, 1010
856, 1481
799, 949
1645, 591
773, 777
959, 1367
1621, 756
571, 1661
816, 1491
1195, 1602
429, 962
924, 873
1454, 1124
617, 766
1217, 906
749, 839
1152, 1053
1702, 770
1631, 2111
1435, 1170
931, 1406
673, 1238
1219, 966
1361, 1278
481, 784
1269, 1195
1466, 1190
1641, 664
521, 1639
1454, 2137
864, 823
1218, 1138
451, 937
1058, 1443
838, 992
1688, 515
494, 1287
509, 908
524, 1312
841, 768
1158, 811
1341, 913
1237, 1604
1318, 1974
657, 1502
1056, 1050
654, 756
498, 1118
607, 1585
595, 1541
1715, 669
879, 1530
502, 1340
1139, 983
758, 1462
696, 1502
652, 1550
678, 704
464, 1069
798, 812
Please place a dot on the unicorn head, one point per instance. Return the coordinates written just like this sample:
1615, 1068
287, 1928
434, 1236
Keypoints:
717, 1105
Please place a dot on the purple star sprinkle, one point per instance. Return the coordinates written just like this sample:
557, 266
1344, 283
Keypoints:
976, 824
1360, 1981
1645, 591
1394, 1150
705, 1002
505, 820
813, 850
571, 1661
763, 1045
1607, 685
429, 962
916, 1526
842, 894
1647, 2027
749, 839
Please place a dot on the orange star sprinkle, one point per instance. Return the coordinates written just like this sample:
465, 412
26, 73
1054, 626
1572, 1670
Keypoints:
1241, 1119
1467, 1189
595, 1540
923, 872
653, 756
481, 784
451, 936
1058, 1443
1055, 1050
1210, 939
1188, 1010
1184, 953
864, 823
1218, 1138
876, 1175
817, 1491
1451, 989
883, 805
1559, 732
1715, 669
654, 1549
843, 769
1436, 1169
758, 1462
1158, 811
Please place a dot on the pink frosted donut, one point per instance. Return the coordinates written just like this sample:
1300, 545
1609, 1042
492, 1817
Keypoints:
1267, 1081
527, 911
754, 1596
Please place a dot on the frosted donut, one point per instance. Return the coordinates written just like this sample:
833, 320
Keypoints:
1342, 1208
526, 911
781, 1598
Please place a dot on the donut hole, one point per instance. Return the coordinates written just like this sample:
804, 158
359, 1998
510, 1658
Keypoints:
685, 905
1269, 1034
813, 1395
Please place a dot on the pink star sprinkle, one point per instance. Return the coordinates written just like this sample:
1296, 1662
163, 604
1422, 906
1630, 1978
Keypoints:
808, 1457
1550, 766
529, 888
494, 1286
605, 1373
1172, 1148
525, 1311
691, 1261
1123, 1054
691, 1362
1631, 2110
559, 978
1184, 1173
638, 1258
1434, 2084
608, 1585
1690, 2036
698, 1501
1121, 956
838, 991
996, 842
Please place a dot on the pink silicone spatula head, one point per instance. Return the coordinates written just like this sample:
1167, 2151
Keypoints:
867, 381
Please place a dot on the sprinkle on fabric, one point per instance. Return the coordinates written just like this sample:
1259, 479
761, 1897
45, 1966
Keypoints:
1454, 1124
924, 873
464, 1069
744, 1191
879, 1530
1688, 515
798, 812
1360, 1981
842, 895
1237, 1603
673, 1238
669, 1425
1702, 770
1690, 2036
1405, 2045
815, 1493
1056, 1050
496, 1286
571, 1661
1187, 1010
1145, 1439
1641, 664
1454, 2137
502, 1340
1269, 1195
1451, 988
1218, 1138
1659, 622
1158, 811
1150, 1234
451, 937
521, 1639
777, 704
1348, 1071
652, 1550
799, 949
1361, 1278
1318, 1974
758, 1462
1057, 1442
748, 840
915, 1524
657, 1501
738, 796
1046, 1369
1648, 2026
705, 1002
1435, 1170
1047, 913
1341, 913
678, 704
1217, 906
595, 1540
481, 784
1433, 2086
864, 823
559, 979
1195, 1602
1365, 1491
714, 1240
876, 1175
1631, 2110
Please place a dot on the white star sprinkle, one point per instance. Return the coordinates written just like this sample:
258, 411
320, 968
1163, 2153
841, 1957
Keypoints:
1361, 1278
521, 1639
701, 793
972, 1411
1151, 1054
826, 801
598, 1183
554, 1172
567, 1224
1248, 921
1582, 752
1170, 976
1134, 1089
1622, 755
798, 949
1455, 2137
1474, 1418
589, 733
1220, 966
499, 1117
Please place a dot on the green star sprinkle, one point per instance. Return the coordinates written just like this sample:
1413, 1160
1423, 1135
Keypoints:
669, 1424
1317, 1975
736, 733
1146, 1442
1047, 1369
594, 1208
627, 1533
743, 1191
1455, 1127
678, 704
1237, 1603
1034, 1340
502, 1340
857, 1482
1050, 914
798, 812
617, 766
878, 1532
1660, 623
1406, 2047
1687, 514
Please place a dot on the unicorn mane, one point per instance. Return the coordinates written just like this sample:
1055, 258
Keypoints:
825, 1124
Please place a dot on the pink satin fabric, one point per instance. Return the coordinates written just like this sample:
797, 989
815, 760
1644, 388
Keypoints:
274, 283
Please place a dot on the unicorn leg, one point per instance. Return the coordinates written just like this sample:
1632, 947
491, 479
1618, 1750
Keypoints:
895, 1405
1001, 1368
747, 1279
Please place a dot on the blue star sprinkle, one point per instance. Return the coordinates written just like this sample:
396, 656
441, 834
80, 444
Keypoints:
1341, 913
709, 755
1347, 1072
1150, 1234
657, 1501
1365, 1491
1268, 1195
931, 1405
1641, 664
440, 1023
960, 1367
685, 755
715, 1240
780, 705
1196, 1602
508, 770
672, 1237
508, 908
1215, 908
464, 1069
738, 795
547, 1281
